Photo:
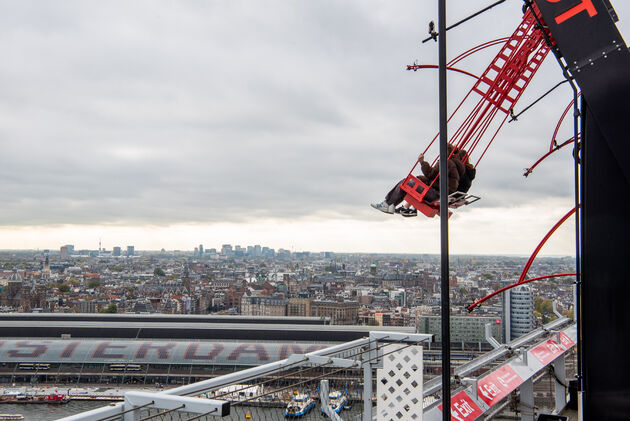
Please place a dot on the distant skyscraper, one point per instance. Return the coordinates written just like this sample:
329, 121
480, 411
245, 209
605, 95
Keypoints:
63, 251
200, 250
116, 251
69, 250
130, 250
518, 312
226, 249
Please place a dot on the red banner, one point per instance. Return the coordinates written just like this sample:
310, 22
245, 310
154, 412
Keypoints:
549, 350
463, 408
498, 384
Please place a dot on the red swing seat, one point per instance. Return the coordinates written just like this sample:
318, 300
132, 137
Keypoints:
415, 198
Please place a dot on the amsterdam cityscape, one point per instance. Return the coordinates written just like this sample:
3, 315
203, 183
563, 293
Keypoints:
99, 353
365, 289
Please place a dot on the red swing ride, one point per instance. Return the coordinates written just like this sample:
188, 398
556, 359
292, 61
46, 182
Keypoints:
497, 91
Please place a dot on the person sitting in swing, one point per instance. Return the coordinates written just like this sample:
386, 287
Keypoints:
396, 195
465, 181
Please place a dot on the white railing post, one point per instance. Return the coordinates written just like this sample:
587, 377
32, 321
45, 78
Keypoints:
560, 374
526, 406
130, 416
367, 383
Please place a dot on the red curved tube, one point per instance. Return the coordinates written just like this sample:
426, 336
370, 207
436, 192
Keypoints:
487, 297
529, 170
416, 67
542, 243
564, 114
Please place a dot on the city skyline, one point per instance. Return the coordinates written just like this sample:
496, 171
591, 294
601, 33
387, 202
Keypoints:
249, 249
224, 123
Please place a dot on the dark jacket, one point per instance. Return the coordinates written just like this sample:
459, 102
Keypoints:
455, 168
466, 180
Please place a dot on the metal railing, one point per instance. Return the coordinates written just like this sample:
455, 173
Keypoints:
262, 393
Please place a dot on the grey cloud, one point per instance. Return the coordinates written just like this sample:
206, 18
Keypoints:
157, 112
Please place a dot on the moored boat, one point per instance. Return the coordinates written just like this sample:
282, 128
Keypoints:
338, 401
57, 398
300, 404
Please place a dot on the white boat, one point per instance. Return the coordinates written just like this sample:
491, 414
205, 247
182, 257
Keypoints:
301, 404
11, 417
338, 400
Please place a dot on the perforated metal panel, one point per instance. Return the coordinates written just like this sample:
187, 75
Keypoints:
399, 385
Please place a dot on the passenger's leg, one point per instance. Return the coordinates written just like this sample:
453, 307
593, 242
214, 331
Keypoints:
395, 195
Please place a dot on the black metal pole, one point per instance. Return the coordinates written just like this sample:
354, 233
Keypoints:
446, 305
579, 183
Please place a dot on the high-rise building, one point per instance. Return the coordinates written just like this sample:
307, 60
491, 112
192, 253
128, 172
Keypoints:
130, 250
518, 312
63, 251
116, 251
200, 250
226, 249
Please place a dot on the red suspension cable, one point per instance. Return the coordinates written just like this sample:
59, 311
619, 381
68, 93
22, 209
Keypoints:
529, 170
542, 243
487, 297
521, 279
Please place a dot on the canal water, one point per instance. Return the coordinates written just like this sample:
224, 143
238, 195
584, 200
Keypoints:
46, 412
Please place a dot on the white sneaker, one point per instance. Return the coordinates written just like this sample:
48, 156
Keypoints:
383, 207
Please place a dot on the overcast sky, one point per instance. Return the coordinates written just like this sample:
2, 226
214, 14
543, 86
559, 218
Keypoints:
168, 124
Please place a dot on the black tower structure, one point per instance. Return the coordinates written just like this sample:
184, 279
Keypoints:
595, 55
